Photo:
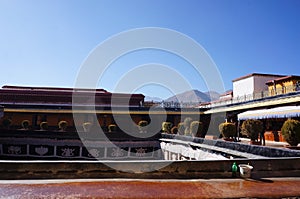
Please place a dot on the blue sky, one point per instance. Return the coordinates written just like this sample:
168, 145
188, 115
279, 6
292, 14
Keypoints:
44, 43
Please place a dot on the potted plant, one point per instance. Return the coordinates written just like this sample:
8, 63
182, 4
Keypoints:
62, 125
174, 130
291, 132
252, 128
86, 126
228, 130
44, 126
196, 128
180, 128
187, 123
112, 128
25, 124
166, 127
6, 123
143, 126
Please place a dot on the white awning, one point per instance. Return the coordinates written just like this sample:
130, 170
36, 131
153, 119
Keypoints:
278, 112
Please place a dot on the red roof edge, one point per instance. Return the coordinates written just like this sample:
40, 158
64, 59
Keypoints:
32, 88
257, 74
283, 78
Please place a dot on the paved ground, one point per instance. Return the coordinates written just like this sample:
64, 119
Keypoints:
131, 188
125, 188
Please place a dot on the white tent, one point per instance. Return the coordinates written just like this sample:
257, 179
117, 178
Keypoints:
278, 112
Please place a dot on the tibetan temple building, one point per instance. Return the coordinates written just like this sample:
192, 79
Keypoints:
51, 105
31, 116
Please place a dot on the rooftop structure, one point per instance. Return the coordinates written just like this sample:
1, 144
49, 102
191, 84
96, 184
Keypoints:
282, 85
257, 90
64, 97
251, 83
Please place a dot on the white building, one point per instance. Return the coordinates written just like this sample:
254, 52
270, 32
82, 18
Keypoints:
253, 83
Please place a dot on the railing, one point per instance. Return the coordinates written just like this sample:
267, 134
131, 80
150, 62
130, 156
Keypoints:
171, 104
227, 101
239, 99
254, 96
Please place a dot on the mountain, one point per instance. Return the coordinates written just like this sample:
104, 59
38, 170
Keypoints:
194, 96
213, 95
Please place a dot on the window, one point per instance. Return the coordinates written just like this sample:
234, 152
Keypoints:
297, 86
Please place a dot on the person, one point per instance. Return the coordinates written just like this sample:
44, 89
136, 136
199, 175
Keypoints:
262, 135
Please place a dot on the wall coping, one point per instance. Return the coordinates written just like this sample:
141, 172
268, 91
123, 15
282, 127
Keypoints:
265, 151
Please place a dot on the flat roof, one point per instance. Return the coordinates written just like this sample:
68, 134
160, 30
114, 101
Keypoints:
284, 78
257, 74
32, 88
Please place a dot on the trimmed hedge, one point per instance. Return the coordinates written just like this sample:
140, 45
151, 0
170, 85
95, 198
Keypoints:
196, 128
291, 131
227, 129
252, 128
166, 127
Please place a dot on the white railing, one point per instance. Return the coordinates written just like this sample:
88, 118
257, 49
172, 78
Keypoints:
228, 101
253, 96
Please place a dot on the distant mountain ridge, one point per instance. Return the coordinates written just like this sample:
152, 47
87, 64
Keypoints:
194, 96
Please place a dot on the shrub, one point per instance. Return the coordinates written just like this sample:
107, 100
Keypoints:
112, 128
142, 123
291, 131
44, 125
227, 129
86, 126
62, 125
6, 122
166, 127
187, 123
143, 126
252, 128
196, 128
25, 124
180, 128
174, 130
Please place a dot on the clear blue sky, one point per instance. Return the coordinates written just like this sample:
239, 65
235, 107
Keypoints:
43, 43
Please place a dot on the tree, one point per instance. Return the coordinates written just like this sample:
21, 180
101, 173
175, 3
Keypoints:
252, 128
291, 131
227, 129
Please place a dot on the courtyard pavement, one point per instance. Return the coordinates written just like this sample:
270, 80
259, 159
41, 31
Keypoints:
132, 188
150, 188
